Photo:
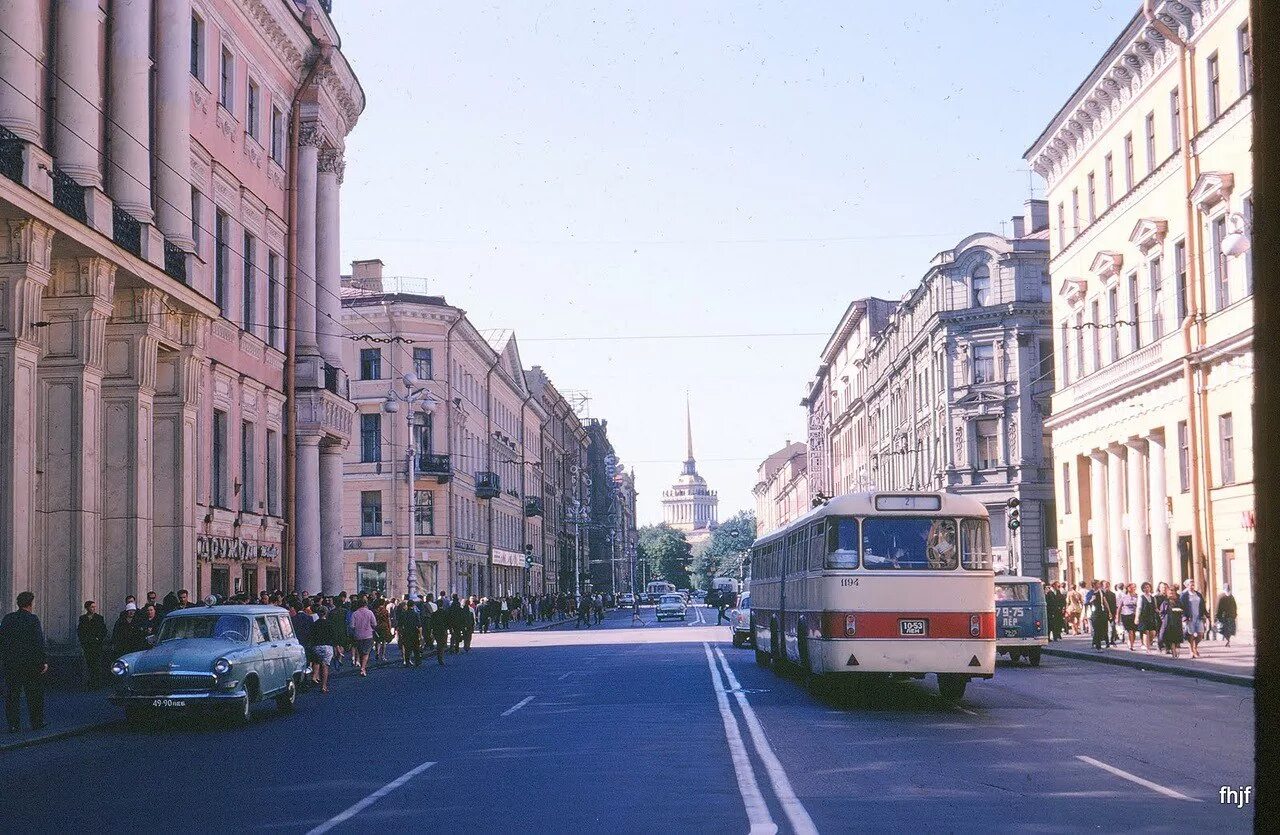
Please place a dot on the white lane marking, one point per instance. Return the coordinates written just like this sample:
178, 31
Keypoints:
566, 675
1133, 778
966, 710
757, 810
517, 706
370, 800
801, 823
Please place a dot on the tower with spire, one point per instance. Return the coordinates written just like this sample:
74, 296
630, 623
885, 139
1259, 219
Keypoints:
689, 506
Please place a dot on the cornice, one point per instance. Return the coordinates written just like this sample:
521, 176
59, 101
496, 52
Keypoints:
288, 39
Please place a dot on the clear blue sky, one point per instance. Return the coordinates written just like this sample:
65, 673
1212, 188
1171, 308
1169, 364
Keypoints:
662, 169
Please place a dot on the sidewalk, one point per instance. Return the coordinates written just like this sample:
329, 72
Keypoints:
1217, 662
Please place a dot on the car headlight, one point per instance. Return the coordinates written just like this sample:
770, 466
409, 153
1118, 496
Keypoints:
119, 668
222, 666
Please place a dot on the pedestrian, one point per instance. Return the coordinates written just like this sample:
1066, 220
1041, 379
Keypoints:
364, 624
1056, 603
484, 615
125, 635
1100, 614
184, 599
1148, 617
152, 600
382, 634
1075, 605
23, 660
409, 634
1129, 612
584, 613
92, 633
323, 636
149, 625
440, 631
1113, 603
1227, 614
1171, 622
504, 614
1195, 615
341, 634
455, 624
467, 626
170, 604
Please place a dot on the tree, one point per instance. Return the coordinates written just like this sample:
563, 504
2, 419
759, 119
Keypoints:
722, 556
667, 552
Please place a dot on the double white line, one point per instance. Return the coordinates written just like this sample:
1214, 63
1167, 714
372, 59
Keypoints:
757, 809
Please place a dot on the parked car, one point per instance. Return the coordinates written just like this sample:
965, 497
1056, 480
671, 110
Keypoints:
213, 658
671, 606
1022, 618
626, 600
740, 623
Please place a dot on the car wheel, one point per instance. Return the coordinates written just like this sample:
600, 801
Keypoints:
286, 701
1034, 656
241, 711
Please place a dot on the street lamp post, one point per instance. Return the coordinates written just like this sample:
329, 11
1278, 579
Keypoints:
416, 397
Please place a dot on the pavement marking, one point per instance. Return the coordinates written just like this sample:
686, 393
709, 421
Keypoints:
801, 823
757, 810
566, 675
966, 710
370, 800
517, 706
1133, 778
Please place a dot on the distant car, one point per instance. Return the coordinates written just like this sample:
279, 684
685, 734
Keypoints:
740, 623
213, 658
671, 606
700, 594
626, 600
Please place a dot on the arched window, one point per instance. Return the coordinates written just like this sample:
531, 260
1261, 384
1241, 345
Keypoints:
981, 286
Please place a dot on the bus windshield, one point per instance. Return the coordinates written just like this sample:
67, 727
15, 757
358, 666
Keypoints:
909, 543
975, 544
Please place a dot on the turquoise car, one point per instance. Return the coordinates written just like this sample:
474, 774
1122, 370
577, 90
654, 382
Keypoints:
213, 658
1022, 618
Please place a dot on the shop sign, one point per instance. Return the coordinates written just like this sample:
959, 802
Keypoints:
209, 548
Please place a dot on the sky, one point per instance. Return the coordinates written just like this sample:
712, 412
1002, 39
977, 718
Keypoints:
671, 199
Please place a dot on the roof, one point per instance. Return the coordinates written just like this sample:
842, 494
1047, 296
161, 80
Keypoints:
1006, 578
248, 609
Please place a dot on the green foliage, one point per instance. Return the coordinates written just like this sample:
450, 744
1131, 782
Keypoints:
667, 552
722, 556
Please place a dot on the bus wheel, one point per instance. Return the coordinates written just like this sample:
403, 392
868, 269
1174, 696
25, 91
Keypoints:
1034, 656
778, 660
951, 686
762, 658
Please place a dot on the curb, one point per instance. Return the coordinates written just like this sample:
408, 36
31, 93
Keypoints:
1140, 664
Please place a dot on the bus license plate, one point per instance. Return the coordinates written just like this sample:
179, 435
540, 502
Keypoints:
913, 627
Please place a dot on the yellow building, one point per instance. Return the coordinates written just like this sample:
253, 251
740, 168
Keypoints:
1149, 175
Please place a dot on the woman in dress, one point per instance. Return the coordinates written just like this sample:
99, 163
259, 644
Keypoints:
382, 634
1075, 605
1196, 616
1148, 617
1170, 623
1129, 612
1227, 613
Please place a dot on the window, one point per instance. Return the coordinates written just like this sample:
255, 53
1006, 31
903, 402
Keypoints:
1075, 211
196, 231
252, 109
1175, 121
370, 363
1214, 88
1135, 324
371, 577
1157, 297
1180, 279
277, 134
981, 286
421, 436
1128, 162
424, 515
248, 486
222, 258
1046, 288
1045, 370
975, 544
1066, 488
1222, 277
370, 438
1109, 180
1184, 457
1151, 142
422, 363
219, 480
248, 297
1093, 199
227, 74
1062, 227
273, 473
987, 443
1245, 44
197, 47
909, 544
984, 363
1080, 342
1113, 308
1066, 371
275, 332
371, 513
1226, 445
1096, 314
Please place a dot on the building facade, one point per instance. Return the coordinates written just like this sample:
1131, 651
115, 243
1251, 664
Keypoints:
690, 506
782, 490
611, 533
1149, 173
563, 468
170, 183
941, 393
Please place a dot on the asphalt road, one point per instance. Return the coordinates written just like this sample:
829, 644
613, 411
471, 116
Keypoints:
664, 727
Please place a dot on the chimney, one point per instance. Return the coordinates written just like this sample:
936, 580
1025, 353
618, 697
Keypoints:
1019, 226
1037, 214
367, 275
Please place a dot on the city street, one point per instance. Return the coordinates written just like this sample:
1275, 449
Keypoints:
630, 729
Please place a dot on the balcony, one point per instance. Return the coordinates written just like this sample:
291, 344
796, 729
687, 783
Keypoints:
533, 506
126, 230
175, 262
435, 464
488, 486
11, 148
68, 196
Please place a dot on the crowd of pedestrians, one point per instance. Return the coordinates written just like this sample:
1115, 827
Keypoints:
1159, 619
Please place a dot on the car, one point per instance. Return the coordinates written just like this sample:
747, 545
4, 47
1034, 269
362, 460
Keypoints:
626, 600
671, 606
221, 658
740, 623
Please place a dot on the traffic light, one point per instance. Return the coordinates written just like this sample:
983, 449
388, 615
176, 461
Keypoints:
528, 556
1014, 521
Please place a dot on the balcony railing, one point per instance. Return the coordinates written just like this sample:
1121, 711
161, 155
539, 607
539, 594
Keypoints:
331, 378
11, 149
175, 262
488, 485
68, 196
435, 464
126, 230
533, 506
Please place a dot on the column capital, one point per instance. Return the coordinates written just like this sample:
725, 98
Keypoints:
332, 161
310, 135
27, 241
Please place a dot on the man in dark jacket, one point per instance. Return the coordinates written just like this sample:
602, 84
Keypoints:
92, 632
409, 634
1056, 605
440, 629
23, 660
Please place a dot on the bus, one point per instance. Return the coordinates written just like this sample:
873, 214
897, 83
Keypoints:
896, 584
656, 589
724, 589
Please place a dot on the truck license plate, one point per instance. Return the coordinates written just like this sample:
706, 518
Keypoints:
913, 627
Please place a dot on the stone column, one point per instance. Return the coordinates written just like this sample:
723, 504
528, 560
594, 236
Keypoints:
25, 251
331, 556
175, 459
128, 399
128, 123
77, 138
19, 96
1101, 529
1117, 547
77, 306
1139, 546
305, 226
328, 258
1162, 554
173, 121
307, 514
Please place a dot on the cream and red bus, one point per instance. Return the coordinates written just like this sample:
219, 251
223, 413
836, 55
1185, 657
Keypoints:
882, 583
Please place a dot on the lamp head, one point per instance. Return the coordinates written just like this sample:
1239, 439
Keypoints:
390, 406
410, 379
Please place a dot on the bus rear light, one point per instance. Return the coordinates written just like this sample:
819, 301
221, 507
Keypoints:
1037, 626
850, 626
975, 626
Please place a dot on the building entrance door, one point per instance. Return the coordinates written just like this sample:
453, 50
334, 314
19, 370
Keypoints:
1186, 560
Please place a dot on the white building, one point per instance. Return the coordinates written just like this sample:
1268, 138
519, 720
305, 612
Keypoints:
689, 506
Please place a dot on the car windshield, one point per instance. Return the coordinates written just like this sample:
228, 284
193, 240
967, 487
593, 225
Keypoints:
230, 627
1013, 591
746, 602
672, 598
928, 544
